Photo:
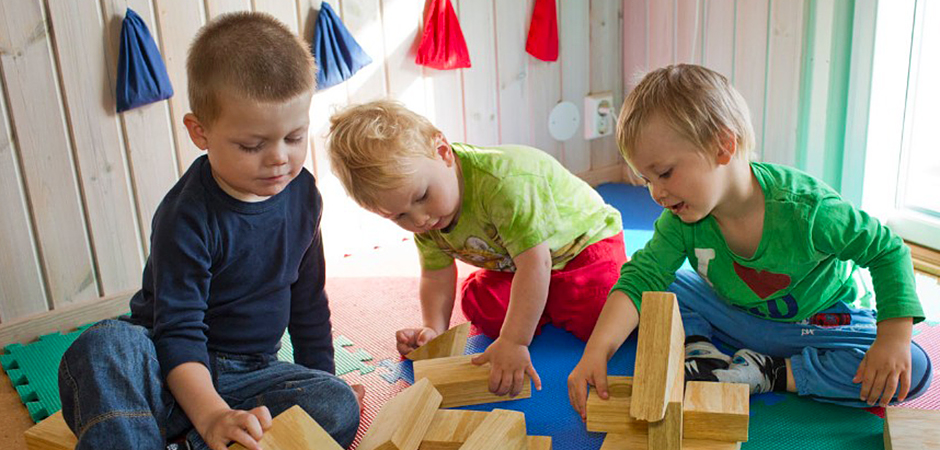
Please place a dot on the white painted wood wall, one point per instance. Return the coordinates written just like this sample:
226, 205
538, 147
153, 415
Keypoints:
79, 183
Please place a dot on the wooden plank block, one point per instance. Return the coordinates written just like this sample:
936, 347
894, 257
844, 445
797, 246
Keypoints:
501, 430
294, 430
50, 434
911, 429
666, 434
479, 81
659, 356
451, 428
45, 153
109, 203
452, 342
615, 441
461, 382
574, 57
613, 415
403, 421
717, 411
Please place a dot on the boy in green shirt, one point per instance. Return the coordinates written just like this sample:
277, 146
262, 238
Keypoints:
773, 251
549, 247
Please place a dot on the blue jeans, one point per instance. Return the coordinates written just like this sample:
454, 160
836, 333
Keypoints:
113, 395
824, 359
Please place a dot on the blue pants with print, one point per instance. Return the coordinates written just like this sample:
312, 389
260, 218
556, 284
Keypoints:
114, 396
824, 359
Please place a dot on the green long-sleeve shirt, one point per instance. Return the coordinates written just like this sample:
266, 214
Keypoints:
802, 264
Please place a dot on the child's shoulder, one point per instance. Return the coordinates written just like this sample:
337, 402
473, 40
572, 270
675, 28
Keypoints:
788, 184
508, 160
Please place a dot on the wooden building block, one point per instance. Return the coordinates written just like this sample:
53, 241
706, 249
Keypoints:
451, 428
666, 434
659, 356
294, 429
617, 441
613, 415
461, 382
452, 342
911, 429
404, 419
717, 411
502, 429
50, 434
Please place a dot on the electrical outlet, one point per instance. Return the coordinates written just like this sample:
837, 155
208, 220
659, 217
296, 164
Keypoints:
599, 118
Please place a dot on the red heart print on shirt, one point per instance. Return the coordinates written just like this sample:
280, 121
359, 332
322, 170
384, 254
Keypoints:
763, 283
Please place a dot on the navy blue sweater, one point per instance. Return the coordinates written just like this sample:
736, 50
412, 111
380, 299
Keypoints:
229, 276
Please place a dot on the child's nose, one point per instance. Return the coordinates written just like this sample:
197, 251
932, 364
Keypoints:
278, 155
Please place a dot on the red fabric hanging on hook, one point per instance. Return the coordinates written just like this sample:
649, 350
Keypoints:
543, 31
442, 43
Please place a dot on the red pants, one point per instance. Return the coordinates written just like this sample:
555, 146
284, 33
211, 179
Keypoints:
576, 294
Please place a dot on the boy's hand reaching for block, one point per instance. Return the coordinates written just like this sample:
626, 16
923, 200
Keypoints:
509, 362
411, 338
244, 427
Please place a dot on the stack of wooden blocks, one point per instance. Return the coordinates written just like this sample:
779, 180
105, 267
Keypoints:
652, 410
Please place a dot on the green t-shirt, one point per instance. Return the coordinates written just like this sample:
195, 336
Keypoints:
514, 198
803, 263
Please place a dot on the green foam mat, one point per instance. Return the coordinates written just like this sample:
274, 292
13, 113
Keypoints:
789, 421
346, 361
34, 368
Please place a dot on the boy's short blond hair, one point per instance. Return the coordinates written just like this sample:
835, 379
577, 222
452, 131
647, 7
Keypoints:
698, 103
248, 54
369, 143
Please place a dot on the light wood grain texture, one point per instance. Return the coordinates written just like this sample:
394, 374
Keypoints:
911, 429
50, 434
606, 71
611, 174
925, 259
635, 42
216, 8
783, 82
148, 135
403, 421
750, 62
615, 441
716, 411
613, 415
27, 329
500, 430
688, 37
103, 173
30, 78
479, 81
294, 429
401, 21
461, 382
285, 11
662, 34
718, 36
666, 434
452, 342
574, 52
21, 290
451, 428
512, 72
363, 18
659, 356
544, 82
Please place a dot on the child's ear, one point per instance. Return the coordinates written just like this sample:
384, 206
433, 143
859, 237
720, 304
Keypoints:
444, 150
727, 147
197, 132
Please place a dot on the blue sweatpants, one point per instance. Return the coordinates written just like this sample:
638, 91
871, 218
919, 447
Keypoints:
824, 359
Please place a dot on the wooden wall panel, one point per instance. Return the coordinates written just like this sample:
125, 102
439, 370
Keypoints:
147, 134
574, 52
783, 82
512, 71
718, 36
479, 81
90, 103
689, 31
662, 33
750, 62
285, 11
35, 107
606, 71
215, 8
364, 20
544, 93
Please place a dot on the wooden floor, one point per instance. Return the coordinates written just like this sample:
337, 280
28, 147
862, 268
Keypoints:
15, 417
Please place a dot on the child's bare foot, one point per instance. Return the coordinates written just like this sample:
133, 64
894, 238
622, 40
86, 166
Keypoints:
360, 392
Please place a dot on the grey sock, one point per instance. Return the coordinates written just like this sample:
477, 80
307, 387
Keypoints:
761, 372
702, 359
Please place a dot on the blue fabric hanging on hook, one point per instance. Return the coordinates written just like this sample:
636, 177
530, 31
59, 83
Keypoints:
141, 74
337, 54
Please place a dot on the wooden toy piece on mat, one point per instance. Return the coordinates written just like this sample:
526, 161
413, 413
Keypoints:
404, 419
911, 429
502, 429
294, 430
616, 441
717, 411
613, 415
50, 434
461, 382
452, 342
451, 428
666, 434
659, 356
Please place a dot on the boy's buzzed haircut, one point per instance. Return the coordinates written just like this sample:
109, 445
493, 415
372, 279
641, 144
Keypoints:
369, 142
698, 103
249, 54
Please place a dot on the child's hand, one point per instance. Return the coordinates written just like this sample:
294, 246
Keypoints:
887, 362
509, 362
590, 370
244, 427
412, 338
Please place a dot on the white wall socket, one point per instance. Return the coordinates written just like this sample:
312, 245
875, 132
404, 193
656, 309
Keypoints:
599, 115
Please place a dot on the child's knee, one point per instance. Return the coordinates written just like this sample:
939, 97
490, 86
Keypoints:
921, 371
335, 408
